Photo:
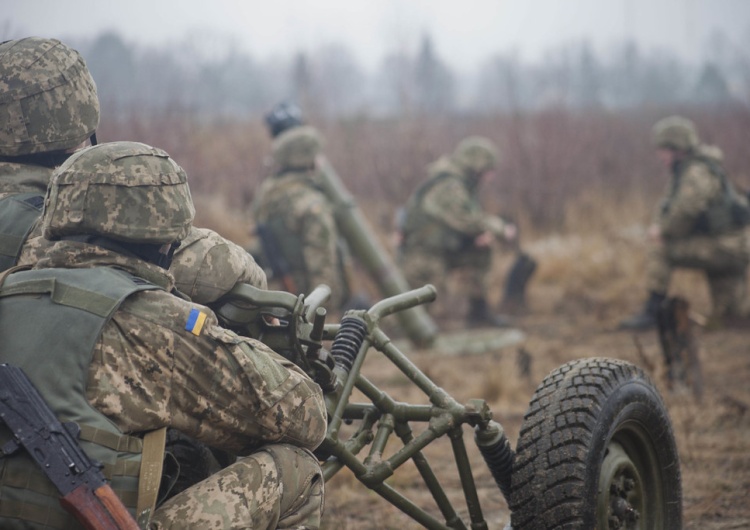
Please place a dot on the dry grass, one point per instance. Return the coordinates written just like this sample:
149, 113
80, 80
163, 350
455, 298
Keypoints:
582, 188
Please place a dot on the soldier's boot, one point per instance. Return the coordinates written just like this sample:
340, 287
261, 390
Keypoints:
480, 315
646, 318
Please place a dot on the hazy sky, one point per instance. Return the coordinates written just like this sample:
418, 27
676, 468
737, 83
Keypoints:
465, 31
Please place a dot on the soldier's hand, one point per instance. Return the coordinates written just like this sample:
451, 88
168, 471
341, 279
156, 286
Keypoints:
510, 232
485, 239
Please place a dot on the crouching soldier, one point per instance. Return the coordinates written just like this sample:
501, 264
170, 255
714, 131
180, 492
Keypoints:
94, 326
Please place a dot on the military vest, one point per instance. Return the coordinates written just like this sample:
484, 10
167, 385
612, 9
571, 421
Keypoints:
289, 243
50, 322
421, 230
728, 211
18, 213
280, 239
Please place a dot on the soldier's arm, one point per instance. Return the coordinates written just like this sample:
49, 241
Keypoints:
174, 366
451, 204
207, 266
698, 187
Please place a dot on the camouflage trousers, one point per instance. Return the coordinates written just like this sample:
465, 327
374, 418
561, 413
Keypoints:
724, 259
421, 267
279, 486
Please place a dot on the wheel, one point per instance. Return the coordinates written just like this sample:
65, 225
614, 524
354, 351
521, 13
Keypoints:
596, 451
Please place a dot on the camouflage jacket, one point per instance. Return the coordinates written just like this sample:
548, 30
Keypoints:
698, 197
445, 214
301, 219
207, 266
162, 361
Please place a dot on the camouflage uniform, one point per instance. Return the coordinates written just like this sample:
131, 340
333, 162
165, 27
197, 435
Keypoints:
48, 106
152, 366
698, 225
206, 266
722, 252
299, 216
444, 217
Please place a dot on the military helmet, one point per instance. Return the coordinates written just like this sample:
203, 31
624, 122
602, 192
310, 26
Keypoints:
126, 191
475, 154
297, 148
283, 116
48, 99
675, 132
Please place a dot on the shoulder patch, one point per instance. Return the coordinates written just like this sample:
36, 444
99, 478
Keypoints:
195, 321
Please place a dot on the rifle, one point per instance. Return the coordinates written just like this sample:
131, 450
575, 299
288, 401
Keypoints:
54, 447
276, 259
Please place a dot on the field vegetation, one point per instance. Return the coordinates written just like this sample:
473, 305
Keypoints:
582, 186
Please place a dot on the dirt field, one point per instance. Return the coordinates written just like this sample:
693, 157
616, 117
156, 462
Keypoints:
713, 435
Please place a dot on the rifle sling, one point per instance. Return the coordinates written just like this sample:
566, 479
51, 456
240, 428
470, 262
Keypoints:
121, 443
152, 460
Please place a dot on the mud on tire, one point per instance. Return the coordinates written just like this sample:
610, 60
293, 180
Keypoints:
596, 450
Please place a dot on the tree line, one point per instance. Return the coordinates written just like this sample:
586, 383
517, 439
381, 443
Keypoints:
329, 81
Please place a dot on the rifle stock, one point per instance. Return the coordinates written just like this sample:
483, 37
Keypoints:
100, 509
83, 489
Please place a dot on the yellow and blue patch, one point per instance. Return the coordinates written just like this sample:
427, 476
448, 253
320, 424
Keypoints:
195, 321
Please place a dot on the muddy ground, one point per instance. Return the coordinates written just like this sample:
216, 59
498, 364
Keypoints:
713, 433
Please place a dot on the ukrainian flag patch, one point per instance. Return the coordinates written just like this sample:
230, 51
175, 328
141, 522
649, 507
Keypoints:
195, 321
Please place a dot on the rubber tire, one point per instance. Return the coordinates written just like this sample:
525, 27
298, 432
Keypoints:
576, 415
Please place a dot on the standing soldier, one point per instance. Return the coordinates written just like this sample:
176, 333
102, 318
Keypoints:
700, 224
95, 327
295, 219
444, 227
48, 108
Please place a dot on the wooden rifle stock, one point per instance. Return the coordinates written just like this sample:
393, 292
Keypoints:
100, 509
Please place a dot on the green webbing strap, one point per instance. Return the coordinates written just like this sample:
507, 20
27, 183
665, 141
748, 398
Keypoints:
122, 468
120, 443
68, 295
152, 462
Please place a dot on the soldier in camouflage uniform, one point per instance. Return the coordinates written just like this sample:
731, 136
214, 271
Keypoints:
94, 326
48, 107
444, 227
295, 213
700, 224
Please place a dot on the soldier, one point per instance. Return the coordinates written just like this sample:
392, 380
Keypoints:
444, 227
294, 215
95, 328
48, 108
700, 224
49, 102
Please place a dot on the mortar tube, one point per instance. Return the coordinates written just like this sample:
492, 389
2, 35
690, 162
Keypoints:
418, 325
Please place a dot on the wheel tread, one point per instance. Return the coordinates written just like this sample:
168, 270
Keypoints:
555, 439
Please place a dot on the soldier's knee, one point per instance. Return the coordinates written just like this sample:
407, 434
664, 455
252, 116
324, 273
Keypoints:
302, 488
